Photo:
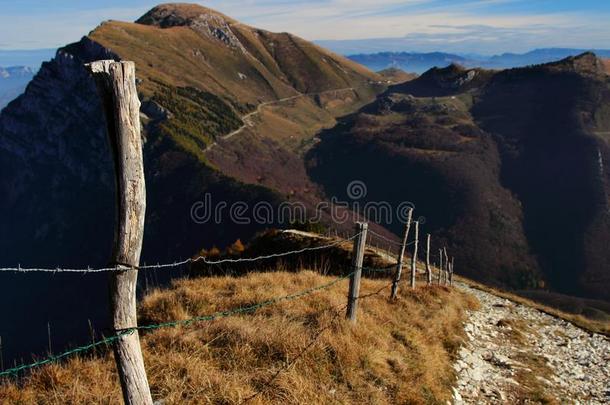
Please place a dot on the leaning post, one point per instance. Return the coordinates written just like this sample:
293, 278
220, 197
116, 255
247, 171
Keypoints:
414, 257
428, 268
401, 254
451, 271
116, 82
354, 281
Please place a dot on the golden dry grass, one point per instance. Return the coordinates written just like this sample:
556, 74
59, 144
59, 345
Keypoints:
300, 351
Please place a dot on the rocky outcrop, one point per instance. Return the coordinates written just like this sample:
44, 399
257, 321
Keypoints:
207, 22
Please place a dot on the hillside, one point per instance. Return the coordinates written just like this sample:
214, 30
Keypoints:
396, 75
607, 65
202, 77
199, 74
300, 351
507, 167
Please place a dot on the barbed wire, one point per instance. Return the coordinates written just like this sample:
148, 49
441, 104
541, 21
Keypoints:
384, 238
390, 240
184, 322
287, 365
202, 259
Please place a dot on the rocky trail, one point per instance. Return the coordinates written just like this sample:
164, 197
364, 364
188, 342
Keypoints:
518, 354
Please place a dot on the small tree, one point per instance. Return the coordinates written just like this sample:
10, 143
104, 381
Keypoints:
236, 249
214, 252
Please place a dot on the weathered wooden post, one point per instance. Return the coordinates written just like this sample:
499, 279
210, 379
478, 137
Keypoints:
414, 257
354, 281
401, 254
440, 266
116, 82
446, 272
451, 271
428, 268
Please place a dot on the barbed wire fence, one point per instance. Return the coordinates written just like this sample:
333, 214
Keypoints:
356, 268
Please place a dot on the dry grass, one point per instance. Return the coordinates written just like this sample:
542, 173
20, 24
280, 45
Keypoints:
532, 371
591, 325
300, 351
531, 377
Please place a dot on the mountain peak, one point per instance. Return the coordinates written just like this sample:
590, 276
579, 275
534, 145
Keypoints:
586, 63
182, 14
203, 20
453, 76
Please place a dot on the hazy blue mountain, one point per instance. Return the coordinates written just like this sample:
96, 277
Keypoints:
537, 56
408, 61
30, 58
19, 68
420, 62
13, 81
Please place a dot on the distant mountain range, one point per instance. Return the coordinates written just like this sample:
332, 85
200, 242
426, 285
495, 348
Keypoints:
13, 81
420, 62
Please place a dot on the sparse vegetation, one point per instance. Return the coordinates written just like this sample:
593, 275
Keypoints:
198, 117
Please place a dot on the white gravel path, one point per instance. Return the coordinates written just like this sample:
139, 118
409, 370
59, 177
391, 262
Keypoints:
517, 354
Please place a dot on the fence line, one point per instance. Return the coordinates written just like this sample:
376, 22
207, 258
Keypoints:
217, 315
184, 322
201, 259
390, 240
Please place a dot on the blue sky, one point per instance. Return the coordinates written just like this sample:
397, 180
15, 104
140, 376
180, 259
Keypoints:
478, 26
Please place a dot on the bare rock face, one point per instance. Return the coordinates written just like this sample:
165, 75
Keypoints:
50, 137
205, 21
586, 64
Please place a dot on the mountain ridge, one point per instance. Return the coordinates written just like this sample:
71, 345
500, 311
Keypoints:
478, 147
195, 88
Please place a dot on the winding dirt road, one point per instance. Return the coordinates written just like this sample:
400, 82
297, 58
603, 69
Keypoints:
247, 119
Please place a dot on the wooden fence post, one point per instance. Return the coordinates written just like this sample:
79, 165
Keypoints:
428, 268
440, 266
446, 272
451, 271
401, 254
354, 281
116, 83
414, 257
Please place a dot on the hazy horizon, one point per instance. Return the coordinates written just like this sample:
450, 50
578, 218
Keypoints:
465, 26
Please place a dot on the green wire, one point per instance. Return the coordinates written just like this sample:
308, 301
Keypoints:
217, 315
